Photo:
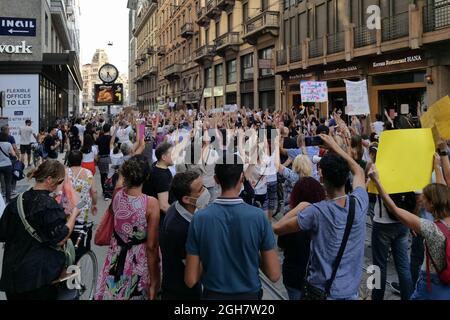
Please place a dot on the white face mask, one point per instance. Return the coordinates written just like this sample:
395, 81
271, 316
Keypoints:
203, 200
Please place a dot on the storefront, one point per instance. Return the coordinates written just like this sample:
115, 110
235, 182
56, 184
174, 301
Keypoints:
292, 87
397, 82
335, 76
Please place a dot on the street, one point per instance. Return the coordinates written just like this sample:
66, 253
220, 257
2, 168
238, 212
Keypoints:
274, 292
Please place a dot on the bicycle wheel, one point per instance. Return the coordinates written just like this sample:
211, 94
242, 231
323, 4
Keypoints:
89, 272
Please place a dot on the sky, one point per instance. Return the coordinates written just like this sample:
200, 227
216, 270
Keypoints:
104, 21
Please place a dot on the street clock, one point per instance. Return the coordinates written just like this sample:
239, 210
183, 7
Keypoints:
108, 73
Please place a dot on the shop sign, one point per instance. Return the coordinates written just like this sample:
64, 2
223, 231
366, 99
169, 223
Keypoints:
22, 48
23, 27
218, 91
207, 93
301, 76
21, 97
231, 87
339, 72
398, 62
265, 63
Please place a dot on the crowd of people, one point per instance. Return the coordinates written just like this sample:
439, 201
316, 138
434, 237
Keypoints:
202, 201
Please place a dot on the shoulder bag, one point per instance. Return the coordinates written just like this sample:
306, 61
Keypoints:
68, 248
314, 293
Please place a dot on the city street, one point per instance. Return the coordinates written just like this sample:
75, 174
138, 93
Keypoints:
271, 291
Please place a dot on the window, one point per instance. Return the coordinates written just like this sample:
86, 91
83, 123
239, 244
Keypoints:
245, 11
217, 28
207, 36
208, 78
266, 56
218, 73
247, 67
231, 71
230, 22
46, 29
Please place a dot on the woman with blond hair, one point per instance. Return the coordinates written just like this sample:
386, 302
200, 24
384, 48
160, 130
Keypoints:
301, 167
32, 262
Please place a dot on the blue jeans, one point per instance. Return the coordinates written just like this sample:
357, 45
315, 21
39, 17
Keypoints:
439, 291
294, 294
393, 235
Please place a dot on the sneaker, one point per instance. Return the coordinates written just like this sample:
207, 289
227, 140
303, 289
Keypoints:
395, 288
106, 198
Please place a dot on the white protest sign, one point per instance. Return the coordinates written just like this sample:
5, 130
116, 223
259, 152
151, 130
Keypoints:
357, 98
314, 91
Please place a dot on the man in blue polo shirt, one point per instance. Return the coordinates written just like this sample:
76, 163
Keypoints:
226, 241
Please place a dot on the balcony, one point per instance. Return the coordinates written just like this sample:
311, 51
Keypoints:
202, 19
173, 71
228, 42
161, 51
193, 96
436, 16
336, 42
137, 62
316, 48
212, 10
395, 27
152, 71
204, 53
187, 30
151, 51
225, 4
295, 53
266, 22
364, 36
281, 57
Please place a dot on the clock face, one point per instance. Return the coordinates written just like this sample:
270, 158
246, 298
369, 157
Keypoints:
108, 73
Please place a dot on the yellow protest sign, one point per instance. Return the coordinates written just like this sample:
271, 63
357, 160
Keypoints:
405, 160
438, 115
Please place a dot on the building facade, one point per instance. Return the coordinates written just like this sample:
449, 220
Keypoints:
406, 62
40, 76
90, 79
178, 37
132, 68
237, 51
144, 72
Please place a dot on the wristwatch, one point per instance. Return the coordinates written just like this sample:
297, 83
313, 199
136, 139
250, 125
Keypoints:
443, 153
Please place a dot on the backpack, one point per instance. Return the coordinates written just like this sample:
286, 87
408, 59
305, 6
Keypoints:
444, 275
18, 167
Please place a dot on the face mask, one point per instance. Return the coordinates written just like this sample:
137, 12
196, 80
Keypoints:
203, 200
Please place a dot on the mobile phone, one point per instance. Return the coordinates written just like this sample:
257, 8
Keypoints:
81, 204
313, 141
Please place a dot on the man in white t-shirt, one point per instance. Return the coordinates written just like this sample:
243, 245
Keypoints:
80, 128
26, 132
123, 133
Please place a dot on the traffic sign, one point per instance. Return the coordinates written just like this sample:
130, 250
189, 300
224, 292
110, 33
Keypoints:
23, 27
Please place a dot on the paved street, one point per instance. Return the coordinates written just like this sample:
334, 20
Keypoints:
268, 294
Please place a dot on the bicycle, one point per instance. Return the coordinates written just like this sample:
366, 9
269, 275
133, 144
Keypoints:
87, 263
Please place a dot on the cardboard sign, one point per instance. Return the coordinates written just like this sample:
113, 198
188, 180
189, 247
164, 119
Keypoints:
438, 115
314, 91
405, 160
357, 98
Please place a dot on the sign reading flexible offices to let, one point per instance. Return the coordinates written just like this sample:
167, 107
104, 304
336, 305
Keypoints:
23, 27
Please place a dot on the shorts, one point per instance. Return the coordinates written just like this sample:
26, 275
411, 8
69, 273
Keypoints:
261, 201
25, 148
90, 166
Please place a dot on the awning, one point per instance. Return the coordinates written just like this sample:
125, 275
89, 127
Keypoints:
69, 60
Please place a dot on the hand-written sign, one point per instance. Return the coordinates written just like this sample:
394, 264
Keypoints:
314, 91
357, 98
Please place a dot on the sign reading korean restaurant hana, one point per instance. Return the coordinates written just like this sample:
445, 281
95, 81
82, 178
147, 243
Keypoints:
398, 62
